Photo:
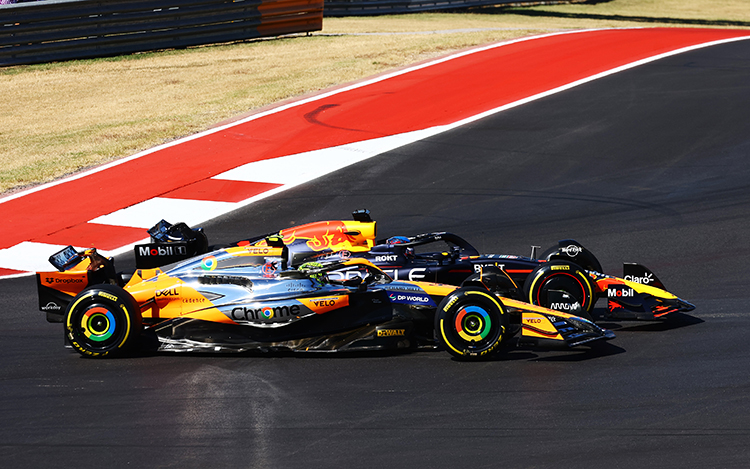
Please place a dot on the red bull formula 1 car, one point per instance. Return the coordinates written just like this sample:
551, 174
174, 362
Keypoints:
249, 297
568, 269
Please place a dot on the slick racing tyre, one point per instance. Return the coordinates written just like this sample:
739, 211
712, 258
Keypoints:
560, 276
103, 320
471, 323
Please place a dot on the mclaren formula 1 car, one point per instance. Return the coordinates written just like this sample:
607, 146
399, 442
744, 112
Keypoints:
250, 298
568, 268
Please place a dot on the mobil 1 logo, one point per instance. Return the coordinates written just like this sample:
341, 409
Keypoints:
619, 292
148, 256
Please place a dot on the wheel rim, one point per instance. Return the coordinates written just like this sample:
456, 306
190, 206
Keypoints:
99, 328
98, 324
566, 283
472, 328
473, 324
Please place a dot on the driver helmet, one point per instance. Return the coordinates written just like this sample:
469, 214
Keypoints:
409, 253
397, 240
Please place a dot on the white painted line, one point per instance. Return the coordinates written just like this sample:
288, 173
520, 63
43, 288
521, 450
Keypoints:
147, 214
589, 79
28, 256
34, 257
303, 167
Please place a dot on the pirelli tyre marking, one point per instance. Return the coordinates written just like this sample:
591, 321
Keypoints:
563, 276
103, 320
472, 323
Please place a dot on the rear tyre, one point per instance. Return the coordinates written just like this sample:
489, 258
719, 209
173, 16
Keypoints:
471, 323
561, 276
103, 320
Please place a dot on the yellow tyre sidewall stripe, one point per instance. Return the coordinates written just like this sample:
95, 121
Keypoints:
489, 297
124, 310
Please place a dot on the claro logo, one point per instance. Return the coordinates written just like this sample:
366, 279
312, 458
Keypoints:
645, 280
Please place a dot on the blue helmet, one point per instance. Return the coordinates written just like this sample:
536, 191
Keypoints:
397, 240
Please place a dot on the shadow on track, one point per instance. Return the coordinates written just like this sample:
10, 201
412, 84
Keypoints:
592, 351
512, 353
595, 350
674, 321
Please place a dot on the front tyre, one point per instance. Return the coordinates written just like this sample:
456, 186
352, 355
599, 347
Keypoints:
560, 276
103, 320
471, 323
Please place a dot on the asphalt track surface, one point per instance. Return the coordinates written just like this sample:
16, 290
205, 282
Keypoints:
647, 165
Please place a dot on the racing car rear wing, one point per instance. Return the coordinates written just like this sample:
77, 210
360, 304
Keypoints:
75, 271
170, 243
